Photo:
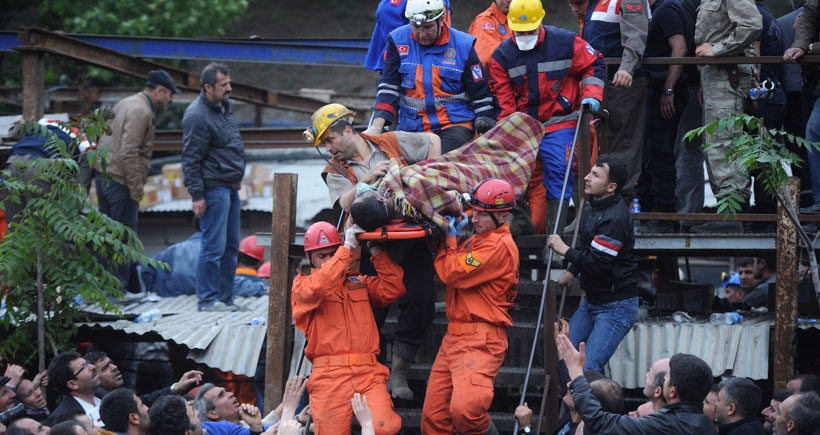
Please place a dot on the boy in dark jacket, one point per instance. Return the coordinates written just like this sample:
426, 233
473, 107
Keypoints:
604, 263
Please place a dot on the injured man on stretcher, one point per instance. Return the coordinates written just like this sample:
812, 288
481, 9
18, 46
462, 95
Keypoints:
428, 191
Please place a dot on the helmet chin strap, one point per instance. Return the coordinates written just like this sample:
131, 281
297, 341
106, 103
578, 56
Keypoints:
495, 221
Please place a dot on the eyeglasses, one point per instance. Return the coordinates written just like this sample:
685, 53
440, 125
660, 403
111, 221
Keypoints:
83, 367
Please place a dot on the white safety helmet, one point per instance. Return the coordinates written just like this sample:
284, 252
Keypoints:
422, 11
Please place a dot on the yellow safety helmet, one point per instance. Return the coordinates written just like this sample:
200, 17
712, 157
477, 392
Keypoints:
324, 118
525, 15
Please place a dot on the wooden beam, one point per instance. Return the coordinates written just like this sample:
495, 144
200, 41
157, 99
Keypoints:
787, 282
280, 338
34, 80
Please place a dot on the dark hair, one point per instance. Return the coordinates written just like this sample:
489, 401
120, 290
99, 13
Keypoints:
94, 357
746, 261
805, 412
690, 376
368, 212
202, 404
618, 172
715, 388
340, 125
15, 429
169, 416
660, 377
247, 260
60, 372
808, 382
744, 394
208, 75
781, 395
115, 408
67, 427
69, 414
771, 262
609, 393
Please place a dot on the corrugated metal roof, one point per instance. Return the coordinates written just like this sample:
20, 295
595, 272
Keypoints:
742, 348
227, 341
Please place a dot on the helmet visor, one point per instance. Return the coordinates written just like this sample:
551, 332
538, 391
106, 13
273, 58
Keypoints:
422, 17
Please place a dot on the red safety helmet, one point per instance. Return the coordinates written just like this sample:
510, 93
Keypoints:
321, 235
493, 195
264, 270
248, 247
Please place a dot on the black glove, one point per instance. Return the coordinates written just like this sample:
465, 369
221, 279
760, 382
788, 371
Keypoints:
483, 124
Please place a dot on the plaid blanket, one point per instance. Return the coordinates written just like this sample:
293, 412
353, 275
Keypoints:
431, 188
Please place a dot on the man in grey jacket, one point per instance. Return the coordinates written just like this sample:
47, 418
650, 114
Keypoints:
213, 164
685, 388
129, 148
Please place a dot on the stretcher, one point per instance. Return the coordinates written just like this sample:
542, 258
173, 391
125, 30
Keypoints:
397, 229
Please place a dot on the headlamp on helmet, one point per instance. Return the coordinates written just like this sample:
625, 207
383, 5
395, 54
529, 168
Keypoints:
422, 11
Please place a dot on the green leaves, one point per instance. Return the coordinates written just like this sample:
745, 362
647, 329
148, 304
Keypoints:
74, 239
755, 148
172, 18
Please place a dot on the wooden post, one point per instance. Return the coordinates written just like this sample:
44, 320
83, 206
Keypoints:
787, 281
33, 85
279, 337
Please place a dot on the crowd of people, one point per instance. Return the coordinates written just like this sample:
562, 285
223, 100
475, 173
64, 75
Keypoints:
482, 126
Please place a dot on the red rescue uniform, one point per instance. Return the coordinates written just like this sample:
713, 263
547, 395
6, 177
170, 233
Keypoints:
481, 276
333, 308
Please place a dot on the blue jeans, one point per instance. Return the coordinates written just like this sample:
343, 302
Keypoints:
602, 327
813, 134
216, 267
554, 149
115, 202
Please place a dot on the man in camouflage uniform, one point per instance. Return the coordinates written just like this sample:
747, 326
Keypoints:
725, 28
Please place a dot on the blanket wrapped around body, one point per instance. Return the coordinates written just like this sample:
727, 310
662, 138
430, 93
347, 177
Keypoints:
431, 189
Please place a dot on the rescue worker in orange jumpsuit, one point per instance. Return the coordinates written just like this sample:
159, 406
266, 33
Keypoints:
481, 275
332, 307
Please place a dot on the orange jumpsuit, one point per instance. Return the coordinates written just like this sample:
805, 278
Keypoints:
333, 309
481, 276
489, 29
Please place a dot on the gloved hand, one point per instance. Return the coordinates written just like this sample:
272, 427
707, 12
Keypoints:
351, 242
594, 105
483, 124
456, 227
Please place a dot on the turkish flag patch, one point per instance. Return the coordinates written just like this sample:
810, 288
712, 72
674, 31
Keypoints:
404, 50
478, 74
634, 8
395, 2
489, 26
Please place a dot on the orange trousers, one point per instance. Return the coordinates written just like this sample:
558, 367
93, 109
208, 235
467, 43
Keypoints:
537, 193
331, 388
460, 388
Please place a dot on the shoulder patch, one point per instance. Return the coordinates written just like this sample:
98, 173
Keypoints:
403, 50
590, 49
489, 26
502, 29
470, 262
478, 74
395, 2
634, 8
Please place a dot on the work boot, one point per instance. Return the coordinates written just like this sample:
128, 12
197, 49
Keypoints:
397, 384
